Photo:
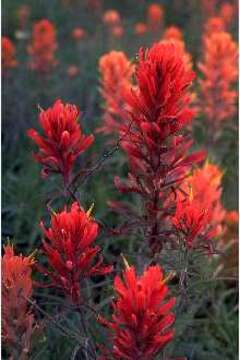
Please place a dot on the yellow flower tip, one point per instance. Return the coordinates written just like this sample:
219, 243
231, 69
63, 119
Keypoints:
33, 255
89, 212
169, 277
39, 108
191, 194
51, 210
126, 264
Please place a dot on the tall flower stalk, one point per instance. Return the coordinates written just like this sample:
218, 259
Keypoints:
17, 317
219, 73
156, 145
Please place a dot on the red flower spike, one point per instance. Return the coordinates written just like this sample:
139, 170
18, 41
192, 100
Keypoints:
159, 109
227, 12
116, 72
43, 46
142, 321
219, 69
8, 53
17, 319
199, 212
154, 16
69, 248
63, 140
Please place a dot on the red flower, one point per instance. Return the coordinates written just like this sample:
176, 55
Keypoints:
78, 33
140, 28
214, 24
8, 54
117, 31
191, 220
206, 185
199, 211
111, 17
72, 71
43, 46
17, 319
232, 218
142, 318
226, 12
69, 248
154, 16
63, 140
219, 69
158, 154
116, 72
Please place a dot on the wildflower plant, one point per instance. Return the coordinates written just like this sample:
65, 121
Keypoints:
157, 153
17, 318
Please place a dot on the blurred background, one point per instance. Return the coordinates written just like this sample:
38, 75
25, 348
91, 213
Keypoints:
83, 35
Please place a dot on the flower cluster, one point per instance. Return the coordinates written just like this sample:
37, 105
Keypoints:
157, 153
63, 140
43, 46
142, 322
69, 248
219, 69
199, 213
8, 53
17, 318
116, 75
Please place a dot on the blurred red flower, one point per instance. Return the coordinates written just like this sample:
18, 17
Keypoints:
154, 16
72, 71
8, 53
17, 319
219, 69
69, 248
232, 217
140, 28
63, 140
226, 12
173, 33
142, 321
208, 7
43, 46
214, 24
78, 33
116, 74
117, 31
199, 211
111, 17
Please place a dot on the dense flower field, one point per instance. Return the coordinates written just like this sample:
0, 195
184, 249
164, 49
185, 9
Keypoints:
119, 211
